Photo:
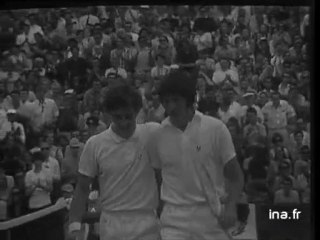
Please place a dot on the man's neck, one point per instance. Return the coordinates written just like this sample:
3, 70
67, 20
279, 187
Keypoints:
123, 134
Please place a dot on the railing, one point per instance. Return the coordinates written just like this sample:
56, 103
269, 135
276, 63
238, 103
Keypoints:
16, 222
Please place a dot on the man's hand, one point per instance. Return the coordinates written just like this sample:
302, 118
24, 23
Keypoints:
75, 235
229, 215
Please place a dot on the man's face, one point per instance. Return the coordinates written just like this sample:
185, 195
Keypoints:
174, 105
267, 83
24, 95
252, 117
40, 93
124, 119
298, 138
98, 38
45, 148
96, 86
276, 99
75, 52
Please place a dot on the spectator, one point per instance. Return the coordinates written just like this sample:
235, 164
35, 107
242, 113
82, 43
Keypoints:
160, 70
70, 163
6, 187
225, 74
278, 114
92, 96
13, 127
253, 127
38, 183
286, 195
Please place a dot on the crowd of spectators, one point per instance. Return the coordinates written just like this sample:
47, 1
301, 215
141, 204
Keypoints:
251, 65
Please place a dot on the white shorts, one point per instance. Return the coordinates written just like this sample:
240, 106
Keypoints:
190, 223
129, 225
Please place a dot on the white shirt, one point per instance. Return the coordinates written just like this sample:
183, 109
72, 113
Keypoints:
234, 110
7, 126
160, 71
176, 153
39, 198
33, 30
257, 108
126, 178
219, 76
42, 113
52, 165
204, 41
88, 20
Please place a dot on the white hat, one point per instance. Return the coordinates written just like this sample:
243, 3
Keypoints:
34, 150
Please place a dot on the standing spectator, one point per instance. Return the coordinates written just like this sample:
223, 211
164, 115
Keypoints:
253, 127
77, 70
38, 183
92, 96
43, 111
49, 163
70, 163
277, 114
169, 52
225, 74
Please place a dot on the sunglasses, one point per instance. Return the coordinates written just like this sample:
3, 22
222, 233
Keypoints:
45, 148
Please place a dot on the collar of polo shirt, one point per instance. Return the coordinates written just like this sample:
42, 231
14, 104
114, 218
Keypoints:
119, 139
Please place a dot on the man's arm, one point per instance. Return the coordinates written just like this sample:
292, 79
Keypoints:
234, 180
78, 205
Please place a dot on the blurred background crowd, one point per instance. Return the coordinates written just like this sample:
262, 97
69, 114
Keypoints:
251, 64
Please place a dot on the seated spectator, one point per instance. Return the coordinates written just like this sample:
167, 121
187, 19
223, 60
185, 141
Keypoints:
253, 127
55, 151
6, 187
257, 169
155, 112
228, 107
284, 171
116, 69
225, 74
49, 163
160, 70
92, 96
38, 183
279, 149
93, 127
69, 166
13, 127
145, 57
303, 161
286, 195
164, 49
249, 102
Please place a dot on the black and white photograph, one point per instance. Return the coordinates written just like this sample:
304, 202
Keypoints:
156, 122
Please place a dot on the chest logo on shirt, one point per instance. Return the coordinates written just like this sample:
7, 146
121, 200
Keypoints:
198, 148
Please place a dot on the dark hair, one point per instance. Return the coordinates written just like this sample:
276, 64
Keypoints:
252, 110
123, 96
160, 55
276, 136
297, 132
38, 156
287, 180
179, 83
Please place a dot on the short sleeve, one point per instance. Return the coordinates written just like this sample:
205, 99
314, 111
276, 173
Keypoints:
28, 180
151, 147
225, 144
290, 111
88, 164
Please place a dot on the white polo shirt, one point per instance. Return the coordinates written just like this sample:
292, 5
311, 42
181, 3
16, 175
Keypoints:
126, 177
176, 153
